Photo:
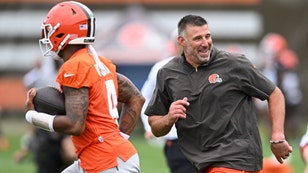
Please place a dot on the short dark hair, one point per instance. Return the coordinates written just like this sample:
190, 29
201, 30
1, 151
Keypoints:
190, 19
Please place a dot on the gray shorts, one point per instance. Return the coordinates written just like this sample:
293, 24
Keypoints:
132, 165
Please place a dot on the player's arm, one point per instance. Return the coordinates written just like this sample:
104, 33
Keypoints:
132, 102
162, 124
277, 114
279, 145
76, 104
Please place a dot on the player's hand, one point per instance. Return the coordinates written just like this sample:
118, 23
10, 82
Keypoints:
29, 101
178, 109
281, 151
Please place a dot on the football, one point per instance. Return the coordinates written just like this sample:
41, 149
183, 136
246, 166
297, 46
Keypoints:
49, 100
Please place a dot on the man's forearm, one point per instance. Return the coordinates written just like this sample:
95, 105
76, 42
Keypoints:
160, 125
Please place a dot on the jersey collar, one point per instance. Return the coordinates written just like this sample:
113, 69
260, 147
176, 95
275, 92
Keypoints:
189, 67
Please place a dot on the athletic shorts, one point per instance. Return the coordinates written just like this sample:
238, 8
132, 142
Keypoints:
132, 165
226, 170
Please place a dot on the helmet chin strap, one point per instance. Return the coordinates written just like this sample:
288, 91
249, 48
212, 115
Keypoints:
101, 68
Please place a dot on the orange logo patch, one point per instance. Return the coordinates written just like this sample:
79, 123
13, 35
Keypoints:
214, 78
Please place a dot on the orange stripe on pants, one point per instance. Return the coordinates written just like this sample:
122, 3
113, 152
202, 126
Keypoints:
226, 170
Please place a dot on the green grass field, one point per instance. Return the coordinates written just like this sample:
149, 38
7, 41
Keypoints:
151, 157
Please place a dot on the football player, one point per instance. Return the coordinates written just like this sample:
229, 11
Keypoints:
92, 90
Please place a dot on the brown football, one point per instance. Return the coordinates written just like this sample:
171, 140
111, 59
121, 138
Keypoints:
49, 100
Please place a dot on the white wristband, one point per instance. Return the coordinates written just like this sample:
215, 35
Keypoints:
40, 120
126, 136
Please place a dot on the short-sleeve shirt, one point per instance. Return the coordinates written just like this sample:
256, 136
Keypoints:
101, 143
220, 128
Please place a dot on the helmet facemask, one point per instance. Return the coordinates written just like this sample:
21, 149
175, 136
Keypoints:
46, 44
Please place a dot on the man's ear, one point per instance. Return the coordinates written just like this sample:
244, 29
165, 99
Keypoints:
181, 40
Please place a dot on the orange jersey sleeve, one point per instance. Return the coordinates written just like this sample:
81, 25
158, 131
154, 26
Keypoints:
101, 143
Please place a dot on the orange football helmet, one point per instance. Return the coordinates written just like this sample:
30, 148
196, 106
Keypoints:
67, 22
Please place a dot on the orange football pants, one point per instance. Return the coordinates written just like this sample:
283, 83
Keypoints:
226, 170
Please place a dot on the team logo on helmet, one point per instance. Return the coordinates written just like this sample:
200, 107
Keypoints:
214, 78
